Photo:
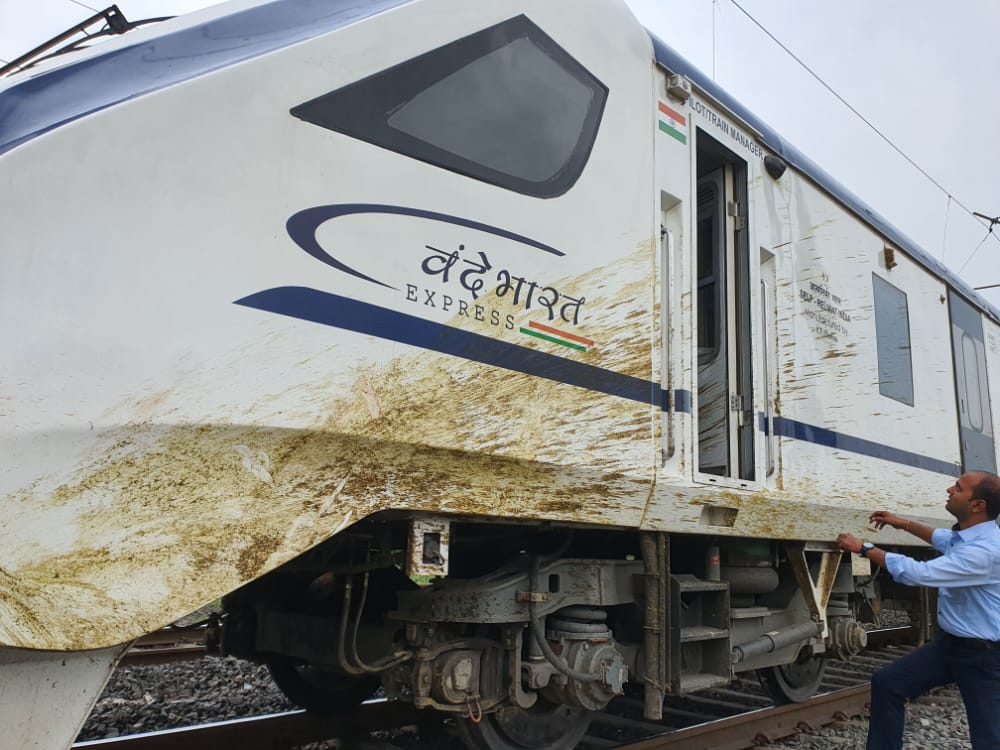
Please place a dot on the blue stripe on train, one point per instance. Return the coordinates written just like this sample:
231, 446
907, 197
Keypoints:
340, 312
808, 433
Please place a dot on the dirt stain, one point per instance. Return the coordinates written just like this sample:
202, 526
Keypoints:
162, 518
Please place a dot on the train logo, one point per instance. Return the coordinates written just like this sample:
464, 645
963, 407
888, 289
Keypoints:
458, 283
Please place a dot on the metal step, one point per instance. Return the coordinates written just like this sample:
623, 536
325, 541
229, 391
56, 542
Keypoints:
701, 681
688, 583
702, 633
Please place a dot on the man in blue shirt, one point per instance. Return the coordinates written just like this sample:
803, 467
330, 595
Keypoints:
967, 648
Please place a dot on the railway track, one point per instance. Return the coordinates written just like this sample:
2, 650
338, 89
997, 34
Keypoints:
295, 728
166, 646
726, 719
283, 730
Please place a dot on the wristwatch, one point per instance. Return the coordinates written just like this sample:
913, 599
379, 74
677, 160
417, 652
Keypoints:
866, 547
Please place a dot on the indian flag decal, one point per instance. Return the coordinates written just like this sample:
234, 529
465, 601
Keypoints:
548, 333
673, 123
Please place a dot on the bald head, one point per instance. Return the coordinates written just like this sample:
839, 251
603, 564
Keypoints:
986, 487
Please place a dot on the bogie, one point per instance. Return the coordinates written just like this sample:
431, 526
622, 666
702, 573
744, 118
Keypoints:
522, 643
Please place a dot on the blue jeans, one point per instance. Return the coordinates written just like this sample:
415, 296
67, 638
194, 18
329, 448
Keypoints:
939, 662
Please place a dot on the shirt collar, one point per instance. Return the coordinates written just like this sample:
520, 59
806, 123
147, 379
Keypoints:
976, 532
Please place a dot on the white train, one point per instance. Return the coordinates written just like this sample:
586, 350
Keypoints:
303, 302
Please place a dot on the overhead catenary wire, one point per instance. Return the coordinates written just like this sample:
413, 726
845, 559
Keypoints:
944, 235
847, 104
973, 253
989, 233
867, 122
84, 5
993, 220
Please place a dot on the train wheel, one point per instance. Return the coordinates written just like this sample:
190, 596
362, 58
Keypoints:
545, 726
319, 690
795, 682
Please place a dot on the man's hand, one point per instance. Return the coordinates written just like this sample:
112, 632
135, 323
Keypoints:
849, 543
881, 518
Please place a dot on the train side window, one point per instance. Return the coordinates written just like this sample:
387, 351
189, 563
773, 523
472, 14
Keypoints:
506, 105
973, 391
892, 336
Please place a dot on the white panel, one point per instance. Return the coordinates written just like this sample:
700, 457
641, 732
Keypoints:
46, 696
164, 445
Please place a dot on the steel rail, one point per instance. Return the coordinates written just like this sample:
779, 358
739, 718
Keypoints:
298, 727
270, 732
172, 636
763, 725
147, 656
166, 646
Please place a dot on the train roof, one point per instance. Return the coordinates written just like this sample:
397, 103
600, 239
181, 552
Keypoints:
144, 61
675, 63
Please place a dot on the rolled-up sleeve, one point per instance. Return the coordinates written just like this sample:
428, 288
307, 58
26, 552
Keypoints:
966, 565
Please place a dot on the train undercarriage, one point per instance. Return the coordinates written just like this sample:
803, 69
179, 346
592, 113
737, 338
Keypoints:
520, 633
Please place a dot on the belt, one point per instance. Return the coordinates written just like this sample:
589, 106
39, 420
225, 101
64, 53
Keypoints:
977, 644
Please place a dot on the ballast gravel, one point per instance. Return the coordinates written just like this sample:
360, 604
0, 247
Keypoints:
147, 698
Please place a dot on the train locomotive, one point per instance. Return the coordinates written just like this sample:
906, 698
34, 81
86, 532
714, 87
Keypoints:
482, 354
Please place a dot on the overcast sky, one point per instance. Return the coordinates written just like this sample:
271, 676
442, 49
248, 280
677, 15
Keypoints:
923, 72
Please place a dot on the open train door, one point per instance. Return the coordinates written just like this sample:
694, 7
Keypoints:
724, 367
